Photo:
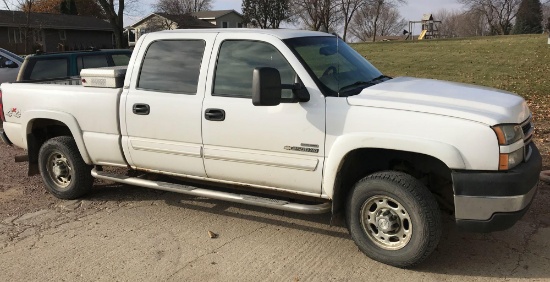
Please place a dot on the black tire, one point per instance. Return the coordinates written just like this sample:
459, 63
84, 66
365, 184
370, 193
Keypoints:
64, 172
385, 200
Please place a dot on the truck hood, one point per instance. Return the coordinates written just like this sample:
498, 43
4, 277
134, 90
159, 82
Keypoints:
477, 103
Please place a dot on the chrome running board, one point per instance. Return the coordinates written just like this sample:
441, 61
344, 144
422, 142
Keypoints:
225, 196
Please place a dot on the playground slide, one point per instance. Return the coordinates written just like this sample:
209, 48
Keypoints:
422, 34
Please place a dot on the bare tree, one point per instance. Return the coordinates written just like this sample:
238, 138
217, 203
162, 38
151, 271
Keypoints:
161, 23
317, 14
181, 7
115, 18
379, 7
114, 12
266, 13
25, 6
377, 18
348, 9
499, 14
456, 23
371, 21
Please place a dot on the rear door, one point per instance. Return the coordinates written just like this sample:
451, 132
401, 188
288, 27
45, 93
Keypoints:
161, 124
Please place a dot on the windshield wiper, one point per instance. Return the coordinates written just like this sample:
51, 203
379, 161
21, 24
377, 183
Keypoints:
380, 78
356, 85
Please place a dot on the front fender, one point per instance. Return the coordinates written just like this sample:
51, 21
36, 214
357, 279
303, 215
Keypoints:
446, 153
69, 120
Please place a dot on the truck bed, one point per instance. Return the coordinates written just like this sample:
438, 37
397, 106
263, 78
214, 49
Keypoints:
94, 110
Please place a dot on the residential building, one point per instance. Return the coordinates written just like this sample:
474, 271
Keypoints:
221, 18
163, 21
52, 32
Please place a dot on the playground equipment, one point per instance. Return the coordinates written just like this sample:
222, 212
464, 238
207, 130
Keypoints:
430, 28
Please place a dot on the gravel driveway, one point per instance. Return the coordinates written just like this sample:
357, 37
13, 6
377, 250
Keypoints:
127, 233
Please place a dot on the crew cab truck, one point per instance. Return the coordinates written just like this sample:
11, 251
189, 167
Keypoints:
289, 113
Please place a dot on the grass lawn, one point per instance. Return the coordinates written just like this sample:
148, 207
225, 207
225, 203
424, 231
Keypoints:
519, 63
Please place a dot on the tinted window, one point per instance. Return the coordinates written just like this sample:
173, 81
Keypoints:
88, 62
236, 63
121, 59
172, 66
44, 69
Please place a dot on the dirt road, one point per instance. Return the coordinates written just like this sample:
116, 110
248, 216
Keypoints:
124, 233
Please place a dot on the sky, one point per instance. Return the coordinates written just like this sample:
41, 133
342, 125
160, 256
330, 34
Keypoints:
412, 11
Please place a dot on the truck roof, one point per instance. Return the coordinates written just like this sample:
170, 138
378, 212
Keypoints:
280, 33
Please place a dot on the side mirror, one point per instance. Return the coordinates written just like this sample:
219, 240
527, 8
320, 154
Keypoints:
10, 64
266, 87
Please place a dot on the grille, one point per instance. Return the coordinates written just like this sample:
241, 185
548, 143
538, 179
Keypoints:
528, 129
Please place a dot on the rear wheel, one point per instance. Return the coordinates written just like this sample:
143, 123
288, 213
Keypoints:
393, 218
64, 172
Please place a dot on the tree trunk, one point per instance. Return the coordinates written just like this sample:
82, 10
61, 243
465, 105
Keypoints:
346, 23
375, 25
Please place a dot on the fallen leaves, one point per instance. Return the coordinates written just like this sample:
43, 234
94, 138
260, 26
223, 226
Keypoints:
212, 235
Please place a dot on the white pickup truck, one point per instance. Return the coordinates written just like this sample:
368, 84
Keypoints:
298, 121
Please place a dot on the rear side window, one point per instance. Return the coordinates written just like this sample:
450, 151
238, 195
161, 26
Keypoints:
52, 68
88, 62
121, 59
172, 66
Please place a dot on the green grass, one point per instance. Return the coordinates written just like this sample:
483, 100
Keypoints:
520, 64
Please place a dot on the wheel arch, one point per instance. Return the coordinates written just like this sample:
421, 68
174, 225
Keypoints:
41, 125
352, 158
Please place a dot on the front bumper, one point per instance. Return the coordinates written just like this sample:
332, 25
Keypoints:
493, 201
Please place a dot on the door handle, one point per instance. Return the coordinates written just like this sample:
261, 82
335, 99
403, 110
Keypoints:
214, 114
141, 109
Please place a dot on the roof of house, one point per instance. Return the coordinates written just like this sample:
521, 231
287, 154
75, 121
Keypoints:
211, 15
278, 33
187, 21
56, 21
183, 21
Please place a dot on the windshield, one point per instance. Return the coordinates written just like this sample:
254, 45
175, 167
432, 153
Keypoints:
338, 69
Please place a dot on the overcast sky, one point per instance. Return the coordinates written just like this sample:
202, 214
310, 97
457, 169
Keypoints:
412, 11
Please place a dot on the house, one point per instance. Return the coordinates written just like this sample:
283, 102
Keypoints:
221, 18
52, 32
163, 21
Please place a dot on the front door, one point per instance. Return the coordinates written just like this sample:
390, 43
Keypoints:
163, 107
277, 147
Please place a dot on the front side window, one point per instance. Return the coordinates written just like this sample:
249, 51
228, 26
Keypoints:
172, 66
236, 62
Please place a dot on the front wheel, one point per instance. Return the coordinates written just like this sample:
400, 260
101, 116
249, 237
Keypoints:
64, 172
393, 218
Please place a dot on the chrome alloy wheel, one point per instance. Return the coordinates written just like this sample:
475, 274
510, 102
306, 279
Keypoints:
59, 169
386, 222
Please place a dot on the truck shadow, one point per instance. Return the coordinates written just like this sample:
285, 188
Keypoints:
519, 252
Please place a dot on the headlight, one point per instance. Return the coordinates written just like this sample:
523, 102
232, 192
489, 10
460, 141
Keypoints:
511, 154
509, 161
508, 134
